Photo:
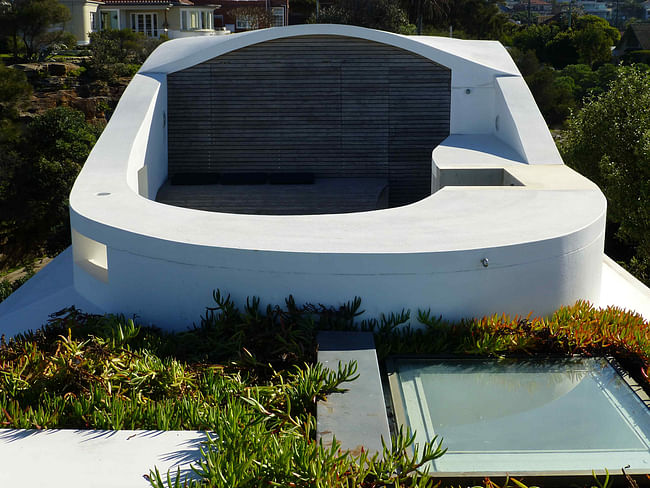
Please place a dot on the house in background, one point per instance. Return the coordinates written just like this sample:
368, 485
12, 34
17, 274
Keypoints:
646, 10
542, 7
243, 15
153, 18
599, 9
83, 18
635, 38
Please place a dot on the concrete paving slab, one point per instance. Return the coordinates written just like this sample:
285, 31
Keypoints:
93, 458
357, 417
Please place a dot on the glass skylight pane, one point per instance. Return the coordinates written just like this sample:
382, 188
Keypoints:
579, 406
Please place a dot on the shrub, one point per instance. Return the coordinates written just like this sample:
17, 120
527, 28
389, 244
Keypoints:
115, 53
609, 142
248, 376
634, 57
37, 176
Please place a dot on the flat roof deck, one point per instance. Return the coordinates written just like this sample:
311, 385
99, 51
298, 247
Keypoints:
324, 196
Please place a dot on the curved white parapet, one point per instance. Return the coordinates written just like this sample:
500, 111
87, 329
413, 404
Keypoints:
509, 228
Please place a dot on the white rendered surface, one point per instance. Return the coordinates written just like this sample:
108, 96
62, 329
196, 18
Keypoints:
542, 238
49, 291
92, 458
620, 289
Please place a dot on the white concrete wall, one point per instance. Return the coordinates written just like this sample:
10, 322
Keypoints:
173, 293
520, 123
543, 240
79, 24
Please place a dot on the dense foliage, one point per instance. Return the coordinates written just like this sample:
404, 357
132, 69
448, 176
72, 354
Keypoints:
469, 18
562, 66
248, 377
578, 329
375, 14
38, 166
115, 53
30, 27
589, 42
609, 142
7, 287
478, 19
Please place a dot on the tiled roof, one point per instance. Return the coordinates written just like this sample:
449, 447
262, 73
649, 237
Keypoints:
148, 2
642, 32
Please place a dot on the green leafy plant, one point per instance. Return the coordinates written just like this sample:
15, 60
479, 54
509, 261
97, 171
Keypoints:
248, 378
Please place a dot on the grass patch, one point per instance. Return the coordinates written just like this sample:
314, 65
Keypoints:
249, 378
7, 287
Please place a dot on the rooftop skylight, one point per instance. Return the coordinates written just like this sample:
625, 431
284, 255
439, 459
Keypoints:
533, 416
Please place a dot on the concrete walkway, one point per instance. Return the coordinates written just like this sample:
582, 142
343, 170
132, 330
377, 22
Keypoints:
92, 458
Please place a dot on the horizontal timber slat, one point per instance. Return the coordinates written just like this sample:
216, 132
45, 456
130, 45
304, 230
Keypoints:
332, 106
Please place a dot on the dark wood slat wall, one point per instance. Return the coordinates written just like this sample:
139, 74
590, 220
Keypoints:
329, 105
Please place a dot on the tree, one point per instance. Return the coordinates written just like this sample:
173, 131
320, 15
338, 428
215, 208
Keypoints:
375, 14
425, 10
255, 17
588, 82
589, 42
30, 25
593, 38
481, 19
553, 94
526, 61
535, 38
37, 175
118, 52
561, 51
609, 142
13, 88
303, 9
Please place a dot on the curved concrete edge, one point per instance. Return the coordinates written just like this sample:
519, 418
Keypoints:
475, 61
135, 254
129, 162
51, 289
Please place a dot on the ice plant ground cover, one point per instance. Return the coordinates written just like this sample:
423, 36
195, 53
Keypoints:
249, 378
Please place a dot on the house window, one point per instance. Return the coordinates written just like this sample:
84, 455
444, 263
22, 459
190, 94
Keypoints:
93, 21
196, 19
206, 20
277, 13
243, 22
146, 24
218, 21
109, 20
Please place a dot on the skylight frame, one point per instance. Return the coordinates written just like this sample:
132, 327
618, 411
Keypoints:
564, 463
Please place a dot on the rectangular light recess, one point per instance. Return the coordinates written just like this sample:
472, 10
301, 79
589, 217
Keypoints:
90, 255
542, 417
